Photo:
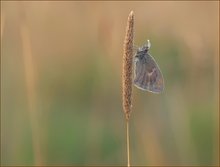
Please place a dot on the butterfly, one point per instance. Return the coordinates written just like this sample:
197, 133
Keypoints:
147, 74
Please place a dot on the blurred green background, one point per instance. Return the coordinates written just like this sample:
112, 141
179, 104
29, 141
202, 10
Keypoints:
61, 84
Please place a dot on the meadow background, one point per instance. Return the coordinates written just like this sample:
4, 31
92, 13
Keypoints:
61, 65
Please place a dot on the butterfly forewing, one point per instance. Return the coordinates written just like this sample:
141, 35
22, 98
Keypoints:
147, 73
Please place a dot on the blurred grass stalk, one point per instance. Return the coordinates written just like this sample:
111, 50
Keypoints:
127, 76
2, 25
30, 79
216, 138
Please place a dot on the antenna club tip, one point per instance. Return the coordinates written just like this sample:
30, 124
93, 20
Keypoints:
148, 43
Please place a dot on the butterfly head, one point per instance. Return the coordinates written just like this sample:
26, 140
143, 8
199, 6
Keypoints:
142, 51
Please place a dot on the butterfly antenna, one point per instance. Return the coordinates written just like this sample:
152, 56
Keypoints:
148, 44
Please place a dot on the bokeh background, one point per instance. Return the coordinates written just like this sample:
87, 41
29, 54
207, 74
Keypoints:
61, 65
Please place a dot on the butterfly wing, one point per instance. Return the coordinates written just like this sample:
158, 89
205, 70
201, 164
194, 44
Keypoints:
147, 74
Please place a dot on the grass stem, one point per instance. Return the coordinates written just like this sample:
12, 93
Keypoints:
128, 143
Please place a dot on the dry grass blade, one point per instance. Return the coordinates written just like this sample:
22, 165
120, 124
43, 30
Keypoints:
30, 80
127, 66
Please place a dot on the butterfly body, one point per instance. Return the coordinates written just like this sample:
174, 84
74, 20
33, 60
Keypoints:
147, 74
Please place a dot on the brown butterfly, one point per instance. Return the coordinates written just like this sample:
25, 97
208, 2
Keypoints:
147, 74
